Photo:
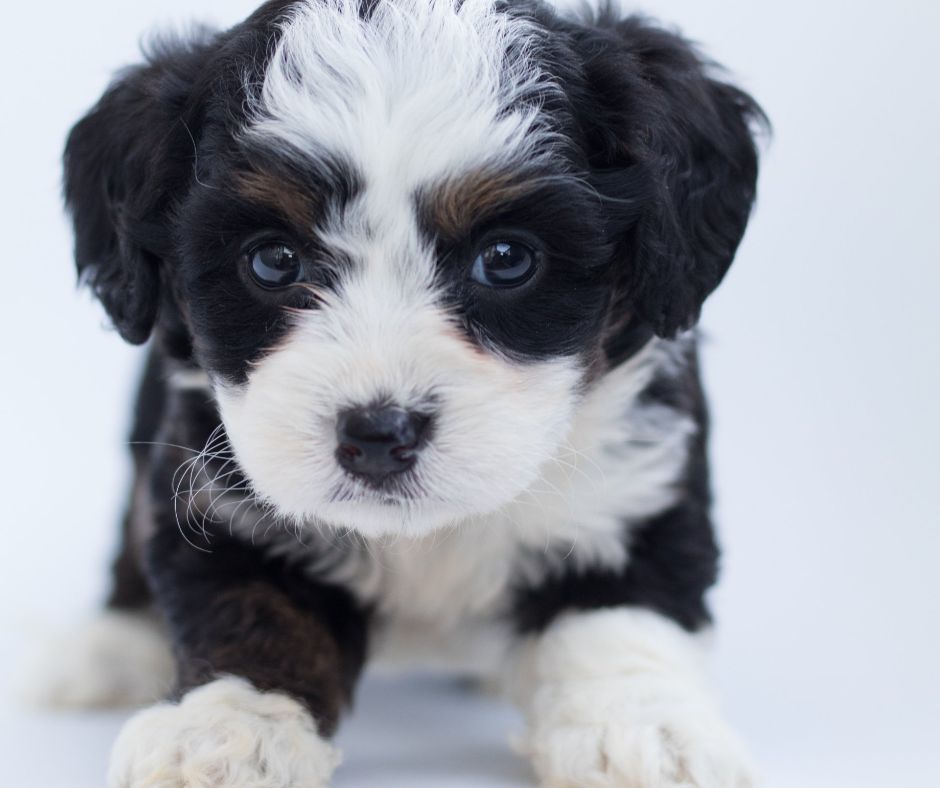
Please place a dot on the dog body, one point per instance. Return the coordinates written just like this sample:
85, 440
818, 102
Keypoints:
421, 277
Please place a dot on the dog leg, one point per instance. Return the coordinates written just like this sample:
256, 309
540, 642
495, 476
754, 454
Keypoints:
615, 699
267, 658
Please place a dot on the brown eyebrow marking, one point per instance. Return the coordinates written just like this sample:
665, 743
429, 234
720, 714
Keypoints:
455, 204
297, 205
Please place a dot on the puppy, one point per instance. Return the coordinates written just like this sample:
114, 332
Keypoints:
419, 279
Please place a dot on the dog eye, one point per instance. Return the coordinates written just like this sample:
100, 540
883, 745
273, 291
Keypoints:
274, 265
504, 264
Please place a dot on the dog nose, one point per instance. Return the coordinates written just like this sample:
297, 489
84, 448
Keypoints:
379, 441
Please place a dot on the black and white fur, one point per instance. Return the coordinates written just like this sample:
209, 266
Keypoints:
554, 530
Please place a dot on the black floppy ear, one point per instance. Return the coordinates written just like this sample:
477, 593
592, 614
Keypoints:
123, 162
672, 150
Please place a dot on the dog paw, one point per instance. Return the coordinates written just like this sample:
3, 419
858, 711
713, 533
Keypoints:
224, 734
609, 734
116, 659
616, 698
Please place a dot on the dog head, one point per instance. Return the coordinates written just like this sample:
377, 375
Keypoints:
403, 237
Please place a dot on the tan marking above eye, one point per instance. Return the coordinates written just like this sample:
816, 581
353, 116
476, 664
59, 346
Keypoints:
459, 202
295, 204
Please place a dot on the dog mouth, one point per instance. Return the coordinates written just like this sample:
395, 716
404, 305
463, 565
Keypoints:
401, 490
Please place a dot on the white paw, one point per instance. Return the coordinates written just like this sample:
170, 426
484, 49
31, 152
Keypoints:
224, 734
626, 733
616, 699
116, 659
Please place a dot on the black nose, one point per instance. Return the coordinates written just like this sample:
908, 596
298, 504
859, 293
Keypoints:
378, 441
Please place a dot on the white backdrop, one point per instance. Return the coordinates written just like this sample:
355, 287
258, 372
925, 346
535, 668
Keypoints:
822, 365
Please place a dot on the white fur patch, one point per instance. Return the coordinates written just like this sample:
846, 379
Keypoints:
116, 659
223, 734
616, 699
414, 92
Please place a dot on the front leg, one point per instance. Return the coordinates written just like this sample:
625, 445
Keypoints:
615, 698
612, 672
267, 658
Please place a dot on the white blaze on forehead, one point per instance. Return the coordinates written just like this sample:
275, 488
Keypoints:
416, 91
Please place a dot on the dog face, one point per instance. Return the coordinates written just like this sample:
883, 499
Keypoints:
405, 237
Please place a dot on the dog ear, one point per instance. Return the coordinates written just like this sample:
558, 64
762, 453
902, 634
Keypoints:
124, 162
674, 157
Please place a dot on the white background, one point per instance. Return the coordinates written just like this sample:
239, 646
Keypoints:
822, 367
